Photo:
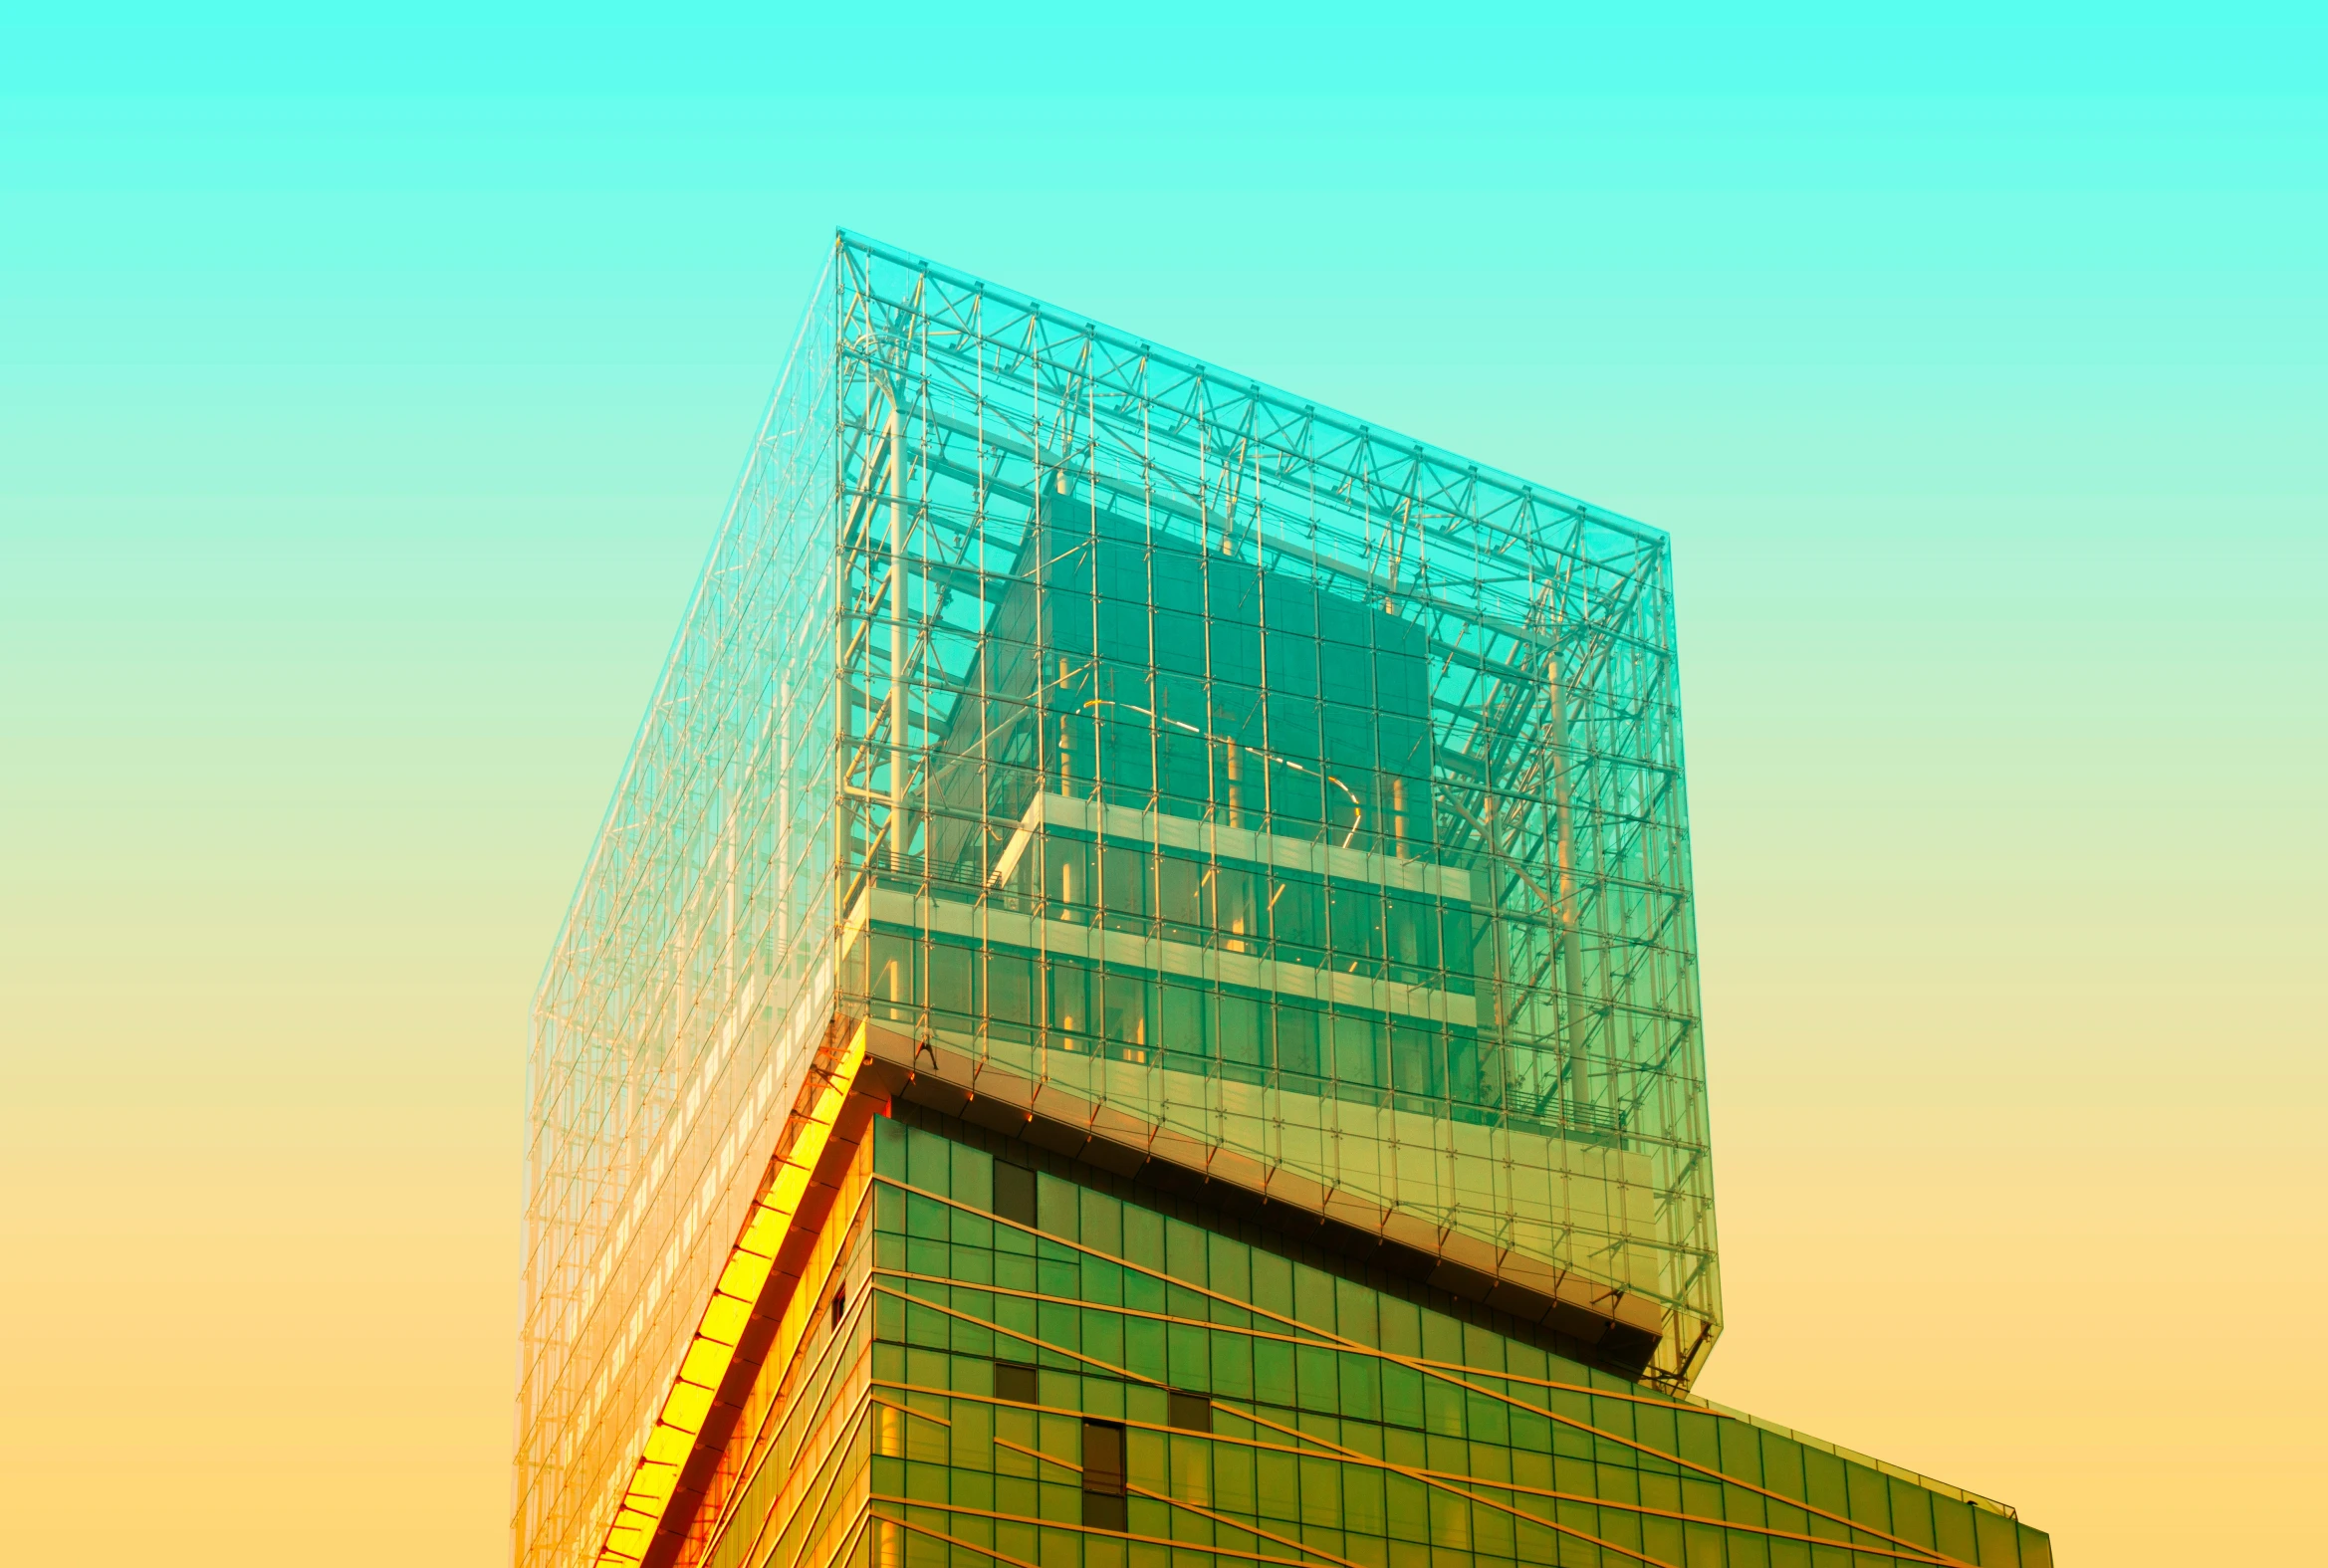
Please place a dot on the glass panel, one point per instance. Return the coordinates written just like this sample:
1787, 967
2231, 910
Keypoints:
1334, 776
1110, 723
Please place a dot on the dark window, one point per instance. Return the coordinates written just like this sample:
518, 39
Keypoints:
1016, 1381
840, 1304
1104, 1488
1190, 1411
1013, 1193
1104, 1456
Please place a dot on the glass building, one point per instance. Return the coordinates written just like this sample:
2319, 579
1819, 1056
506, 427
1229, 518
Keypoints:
1135, 1008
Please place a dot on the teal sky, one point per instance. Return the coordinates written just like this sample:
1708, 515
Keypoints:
369, 396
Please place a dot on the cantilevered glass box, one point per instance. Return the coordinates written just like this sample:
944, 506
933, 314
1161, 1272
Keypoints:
1148, 767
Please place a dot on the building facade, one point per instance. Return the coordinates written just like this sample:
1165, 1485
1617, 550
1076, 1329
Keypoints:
1136, 1003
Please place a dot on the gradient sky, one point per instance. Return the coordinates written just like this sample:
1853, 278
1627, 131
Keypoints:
368, 397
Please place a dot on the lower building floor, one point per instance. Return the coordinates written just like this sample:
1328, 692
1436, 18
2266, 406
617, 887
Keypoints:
998, 1357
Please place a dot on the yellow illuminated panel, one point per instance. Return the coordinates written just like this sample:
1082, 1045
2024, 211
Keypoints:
713, 1348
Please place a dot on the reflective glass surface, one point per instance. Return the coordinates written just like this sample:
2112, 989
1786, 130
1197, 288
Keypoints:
1160, 739
1117, 1386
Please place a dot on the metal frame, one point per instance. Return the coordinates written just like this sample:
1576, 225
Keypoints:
783, 779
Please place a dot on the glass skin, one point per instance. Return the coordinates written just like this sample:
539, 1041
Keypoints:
1350, 1426
1343, 779
691, 987
1299, 790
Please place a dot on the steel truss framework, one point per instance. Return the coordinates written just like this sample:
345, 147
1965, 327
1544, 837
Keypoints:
1138, 729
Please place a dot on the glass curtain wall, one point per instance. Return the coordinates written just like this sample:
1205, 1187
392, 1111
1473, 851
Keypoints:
691, 984
1113, 1385
1291, 785
1135, 729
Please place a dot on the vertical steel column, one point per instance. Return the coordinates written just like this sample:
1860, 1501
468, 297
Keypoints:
1565, 918
896, 636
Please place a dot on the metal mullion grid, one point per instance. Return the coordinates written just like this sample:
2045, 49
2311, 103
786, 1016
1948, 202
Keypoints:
1465, 486
1326, 1338
1203, 379
1242, 452
1312, 1445
660, 785
802, 1384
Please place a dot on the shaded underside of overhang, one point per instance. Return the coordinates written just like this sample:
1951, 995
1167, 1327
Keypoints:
1594, 1321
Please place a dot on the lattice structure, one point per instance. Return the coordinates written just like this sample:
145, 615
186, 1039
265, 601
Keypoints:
692, 984
1169, 761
